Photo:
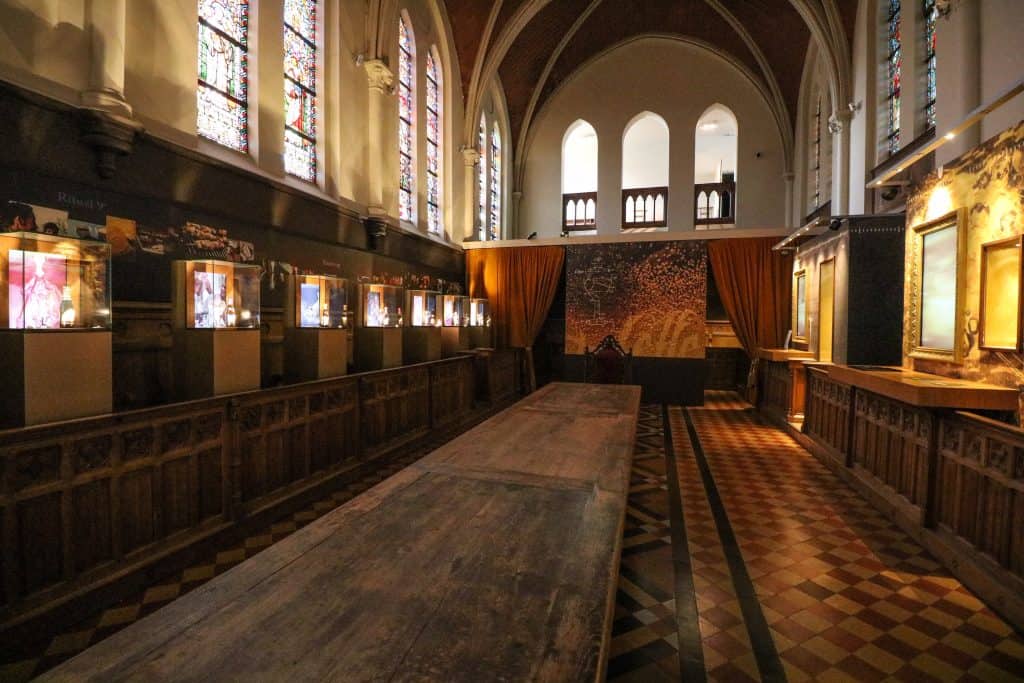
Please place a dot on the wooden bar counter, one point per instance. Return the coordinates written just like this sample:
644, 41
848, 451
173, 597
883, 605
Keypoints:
494, 558
782, 382
950, 479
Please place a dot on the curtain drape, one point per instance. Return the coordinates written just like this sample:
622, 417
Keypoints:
754, 283
520, 283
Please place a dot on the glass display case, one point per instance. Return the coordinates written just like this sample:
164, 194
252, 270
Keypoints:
221, 295
54, 283
455, 310
321, 301
479, 313
421, 305
382, 305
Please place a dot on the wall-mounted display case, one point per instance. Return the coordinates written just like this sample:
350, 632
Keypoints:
216, 314
480, 323
55, 339
317, 318
937, 293
1001, 294
422, 339
454, 324
378, 338
800, 307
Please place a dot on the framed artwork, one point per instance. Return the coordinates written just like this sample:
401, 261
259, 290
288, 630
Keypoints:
937, 296
800, 307
1001, 293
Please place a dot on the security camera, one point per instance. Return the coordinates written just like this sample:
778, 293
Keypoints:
835, 224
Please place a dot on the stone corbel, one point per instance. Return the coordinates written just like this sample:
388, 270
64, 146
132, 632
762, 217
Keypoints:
110, 135
379, 76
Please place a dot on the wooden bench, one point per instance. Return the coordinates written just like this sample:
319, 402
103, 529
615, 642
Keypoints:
494, 558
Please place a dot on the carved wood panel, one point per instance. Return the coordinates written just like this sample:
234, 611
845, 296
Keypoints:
891, 441
827, 418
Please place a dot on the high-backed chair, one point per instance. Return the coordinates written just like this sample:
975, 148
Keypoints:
608, 363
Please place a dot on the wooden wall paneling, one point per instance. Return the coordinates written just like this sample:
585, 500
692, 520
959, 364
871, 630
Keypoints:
827, 414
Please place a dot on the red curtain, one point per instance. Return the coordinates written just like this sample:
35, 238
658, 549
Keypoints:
754, 283
520, 283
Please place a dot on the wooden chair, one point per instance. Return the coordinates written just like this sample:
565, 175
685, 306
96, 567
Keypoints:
608, 363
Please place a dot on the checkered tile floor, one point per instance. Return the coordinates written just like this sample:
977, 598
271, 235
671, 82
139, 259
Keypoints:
23, 662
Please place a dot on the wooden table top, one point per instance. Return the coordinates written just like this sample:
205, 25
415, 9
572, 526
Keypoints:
494, 558
784, 355
925, 390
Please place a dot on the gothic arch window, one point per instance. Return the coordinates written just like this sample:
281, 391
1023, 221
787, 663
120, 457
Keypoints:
579, 176
495, 193
930, 15
435, 146
716, 144
223, 72
645, 168
894, 72
300, 66
481, 179
816, 156
406, 121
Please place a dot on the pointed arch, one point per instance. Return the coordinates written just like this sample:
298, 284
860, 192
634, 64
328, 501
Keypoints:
406, 119
435, 142
579, 158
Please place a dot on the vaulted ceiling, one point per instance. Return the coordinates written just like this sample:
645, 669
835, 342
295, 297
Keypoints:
535, 45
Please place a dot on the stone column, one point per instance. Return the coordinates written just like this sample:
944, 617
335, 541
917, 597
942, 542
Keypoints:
380, 122
839, 127
105, 22
470, 159
513, 231
788, 178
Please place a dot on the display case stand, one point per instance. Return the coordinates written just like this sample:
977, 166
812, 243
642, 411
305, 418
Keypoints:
454, 340
421, 345
313, 353
215, 362
54, 375
378, 348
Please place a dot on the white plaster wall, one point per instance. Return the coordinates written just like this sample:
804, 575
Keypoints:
1002, 61
677, 81
44, 46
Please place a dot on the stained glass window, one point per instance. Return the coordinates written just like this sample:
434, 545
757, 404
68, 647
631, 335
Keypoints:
223, 72
931, 14
481, 179
816, 158
435, 95
894, 64
300, 88
495, 226
406, 122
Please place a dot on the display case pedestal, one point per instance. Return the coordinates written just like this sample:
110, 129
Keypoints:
51, 376
480, 337
421, 344
454, 340
378, 348
215, 362
315, 353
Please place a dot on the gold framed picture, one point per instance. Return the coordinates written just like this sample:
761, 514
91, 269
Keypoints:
937, 296
800, 306
1001, 294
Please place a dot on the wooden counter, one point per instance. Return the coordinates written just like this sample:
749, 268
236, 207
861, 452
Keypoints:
783, 355
926, 391
496, 557
782, 383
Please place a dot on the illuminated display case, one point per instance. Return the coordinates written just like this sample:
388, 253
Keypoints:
55, 339
480, 323
422, 339
454, 324
216, 315
317, 320
378, 338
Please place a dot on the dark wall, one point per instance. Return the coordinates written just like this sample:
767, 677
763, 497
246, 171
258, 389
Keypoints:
875, 319
46, 162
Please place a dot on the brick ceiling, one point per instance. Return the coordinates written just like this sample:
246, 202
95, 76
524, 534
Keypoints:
775, 26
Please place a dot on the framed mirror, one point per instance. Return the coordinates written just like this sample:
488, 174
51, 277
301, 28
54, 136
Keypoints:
1000, 317
937, 296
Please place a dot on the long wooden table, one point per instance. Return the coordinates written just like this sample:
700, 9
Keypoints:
493, 558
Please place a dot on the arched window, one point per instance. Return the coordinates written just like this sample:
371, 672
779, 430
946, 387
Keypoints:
645, 166
435, 136
894, 68
300, 61
481, 179
930, 14
406, 122
816, 156
495, 225
223, 73
579, 176
714, 170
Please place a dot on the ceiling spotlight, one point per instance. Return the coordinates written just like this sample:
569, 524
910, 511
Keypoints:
532, 235
835, 224
950, 135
